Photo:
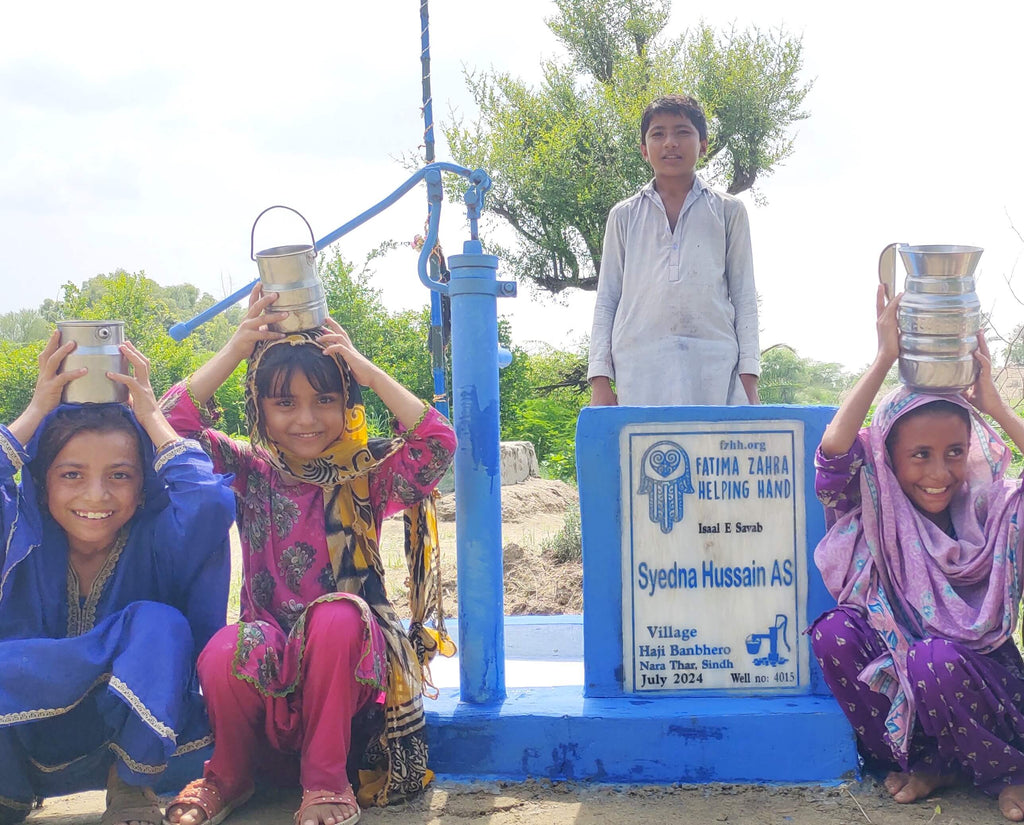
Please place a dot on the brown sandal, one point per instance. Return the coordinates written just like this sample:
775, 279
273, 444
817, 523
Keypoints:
130, 803
205, 795
345, 797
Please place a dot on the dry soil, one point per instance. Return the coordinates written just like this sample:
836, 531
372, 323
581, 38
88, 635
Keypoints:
545, 803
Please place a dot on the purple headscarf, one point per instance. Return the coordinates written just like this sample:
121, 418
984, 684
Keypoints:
910, 579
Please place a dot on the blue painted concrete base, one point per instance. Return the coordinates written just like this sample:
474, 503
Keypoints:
556, 733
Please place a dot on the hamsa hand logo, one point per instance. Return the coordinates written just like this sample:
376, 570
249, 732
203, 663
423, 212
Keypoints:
665, 479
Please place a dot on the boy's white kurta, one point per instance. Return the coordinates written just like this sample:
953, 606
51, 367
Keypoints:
675, 320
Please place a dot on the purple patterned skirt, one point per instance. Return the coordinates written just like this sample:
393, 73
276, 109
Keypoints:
969, 720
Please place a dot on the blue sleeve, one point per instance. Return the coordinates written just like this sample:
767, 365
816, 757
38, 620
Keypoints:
191, 536
12, 458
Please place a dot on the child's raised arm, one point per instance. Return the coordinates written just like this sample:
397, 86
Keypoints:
49, 385
405, 406
205, 380
986, 398
842, 431
143, 401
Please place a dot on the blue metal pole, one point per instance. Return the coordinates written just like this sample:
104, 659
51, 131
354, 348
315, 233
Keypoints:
474, 289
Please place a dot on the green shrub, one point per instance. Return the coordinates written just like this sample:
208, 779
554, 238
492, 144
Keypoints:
567, 544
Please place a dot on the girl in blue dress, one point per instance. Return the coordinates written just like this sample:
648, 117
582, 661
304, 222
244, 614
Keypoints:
114, 566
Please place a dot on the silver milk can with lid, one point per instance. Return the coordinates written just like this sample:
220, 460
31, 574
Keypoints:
99, 351
939, 315
290, 271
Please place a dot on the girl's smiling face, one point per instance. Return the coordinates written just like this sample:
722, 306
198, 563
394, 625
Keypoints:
302, 420
929, 458
94, 487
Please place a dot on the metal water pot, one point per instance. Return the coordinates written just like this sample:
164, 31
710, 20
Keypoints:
939, 315
290, 271
98, 350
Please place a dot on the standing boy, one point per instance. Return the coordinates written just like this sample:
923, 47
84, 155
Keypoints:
676, 315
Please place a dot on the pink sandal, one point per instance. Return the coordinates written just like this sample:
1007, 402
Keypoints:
345, 797
203, 794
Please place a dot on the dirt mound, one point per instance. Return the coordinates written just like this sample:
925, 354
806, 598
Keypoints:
523, 502
534, 515
537, 584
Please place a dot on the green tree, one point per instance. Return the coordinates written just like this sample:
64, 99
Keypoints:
786, 378
394, 341
540, 412
1013, 352
122, 296
147, 314
147, 308
514, 381
561, 155
20, 366
23, 326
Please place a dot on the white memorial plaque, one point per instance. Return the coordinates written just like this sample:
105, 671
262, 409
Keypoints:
713, 556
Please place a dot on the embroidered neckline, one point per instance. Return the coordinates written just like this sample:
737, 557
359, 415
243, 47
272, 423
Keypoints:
82, 615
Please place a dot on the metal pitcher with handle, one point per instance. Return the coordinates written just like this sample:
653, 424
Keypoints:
290, 271
939, 315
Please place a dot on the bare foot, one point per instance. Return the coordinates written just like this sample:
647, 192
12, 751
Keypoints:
185, 815
201, 800
345, 810
1011, 803
910, 787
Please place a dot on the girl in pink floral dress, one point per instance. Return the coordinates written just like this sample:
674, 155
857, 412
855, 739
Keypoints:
319, 646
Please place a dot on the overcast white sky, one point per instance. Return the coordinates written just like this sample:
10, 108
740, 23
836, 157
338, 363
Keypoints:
148, 137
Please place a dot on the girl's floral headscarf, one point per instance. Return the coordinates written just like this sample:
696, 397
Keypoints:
353, 544
910, 579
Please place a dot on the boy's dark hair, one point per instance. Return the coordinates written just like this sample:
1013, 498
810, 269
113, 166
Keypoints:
69, 422
683, 105
274, 374
931, 408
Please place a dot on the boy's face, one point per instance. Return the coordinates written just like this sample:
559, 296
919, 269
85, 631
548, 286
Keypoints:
672, 146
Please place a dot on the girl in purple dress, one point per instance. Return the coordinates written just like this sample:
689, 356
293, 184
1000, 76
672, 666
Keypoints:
923, 557
319, 674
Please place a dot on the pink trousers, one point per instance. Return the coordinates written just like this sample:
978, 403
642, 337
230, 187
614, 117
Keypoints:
312, 725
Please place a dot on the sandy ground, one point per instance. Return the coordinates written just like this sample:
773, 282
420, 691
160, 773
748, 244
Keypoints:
543, 803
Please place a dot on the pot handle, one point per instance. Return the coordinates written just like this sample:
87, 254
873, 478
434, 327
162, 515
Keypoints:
887, 269
252, 236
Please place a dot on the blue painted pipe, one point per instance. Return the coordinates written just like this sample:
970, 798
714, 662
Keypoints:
474, 289
179, 332
480, 182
